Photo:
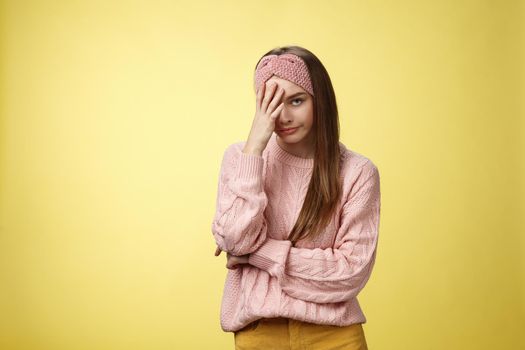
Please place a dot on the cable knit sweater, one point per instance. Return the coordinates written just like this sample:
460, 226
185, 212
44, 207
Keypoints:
317, 281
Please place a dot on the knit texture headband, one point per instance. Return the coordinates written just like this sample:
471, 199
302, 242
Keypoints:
286, 66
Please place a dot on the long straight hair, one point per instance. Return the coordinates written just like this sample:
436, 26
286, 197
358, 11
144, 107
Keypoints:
324, 190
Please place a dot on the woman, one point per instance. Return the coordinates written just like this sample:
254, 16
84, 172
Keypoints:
297, 213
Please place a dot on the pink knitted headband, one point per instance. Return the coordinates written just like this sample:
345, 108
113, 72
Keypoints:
287, 66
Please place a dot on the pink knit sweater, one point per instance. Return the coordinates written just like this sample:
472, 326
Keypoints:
258, 202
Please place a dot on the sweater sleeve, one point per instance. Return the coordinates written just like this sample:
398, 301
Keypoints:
239, 226
334, 274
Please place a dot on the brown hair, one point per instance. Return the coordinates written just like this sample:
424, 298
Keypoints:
324, 190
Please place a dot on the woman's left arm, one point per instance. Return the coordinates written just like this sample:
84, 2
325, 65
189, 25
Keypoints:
336, 274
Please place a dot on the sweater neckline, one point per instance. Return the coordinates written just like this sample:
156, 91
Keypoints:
288, 158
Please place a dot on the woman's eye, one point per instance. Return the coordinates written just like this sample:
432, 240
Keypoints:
297, 99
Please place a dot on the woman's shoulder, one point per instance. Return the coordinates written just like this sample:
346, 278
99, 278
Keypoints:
353, 160
235, 149
234, 146
233, 153
355, 166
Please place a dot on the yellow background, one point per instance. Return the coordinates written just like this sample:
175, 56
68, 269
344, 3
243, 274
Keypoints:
114, 117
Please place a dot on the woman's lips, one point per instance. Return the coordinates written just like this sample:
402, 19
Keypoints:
288, 131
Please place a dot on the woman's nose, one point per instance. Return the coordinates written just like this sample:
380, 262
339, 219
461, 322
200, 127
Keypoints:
284, 116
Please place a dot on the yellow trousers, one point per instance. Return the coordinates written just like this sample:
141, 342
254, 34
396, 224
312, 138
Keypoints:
284, 333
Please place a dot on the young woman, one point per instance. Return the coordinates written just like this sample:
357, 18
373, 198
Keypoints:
297, 213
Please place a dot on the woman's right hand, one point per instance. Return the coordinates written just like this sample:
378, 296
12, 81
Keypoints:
232, 261
267, 111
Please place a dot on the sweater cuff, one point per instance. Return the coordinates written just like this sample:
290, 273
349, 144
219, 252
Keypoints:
250, 172
271, 256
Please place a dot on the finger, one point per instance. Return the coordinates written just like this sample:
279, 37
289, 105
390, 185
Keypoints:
276, 99
260, 94
277, 111
268, 95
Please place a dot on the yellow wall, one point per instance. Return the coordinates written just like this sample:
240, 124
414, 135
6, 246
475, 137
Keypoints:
114, 117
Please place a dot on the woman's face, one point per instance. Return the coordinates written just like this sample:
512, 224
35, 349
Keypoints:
297, 113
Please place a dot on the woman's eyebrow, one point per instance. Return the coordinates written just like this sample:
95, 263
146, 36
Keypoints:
295, 95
